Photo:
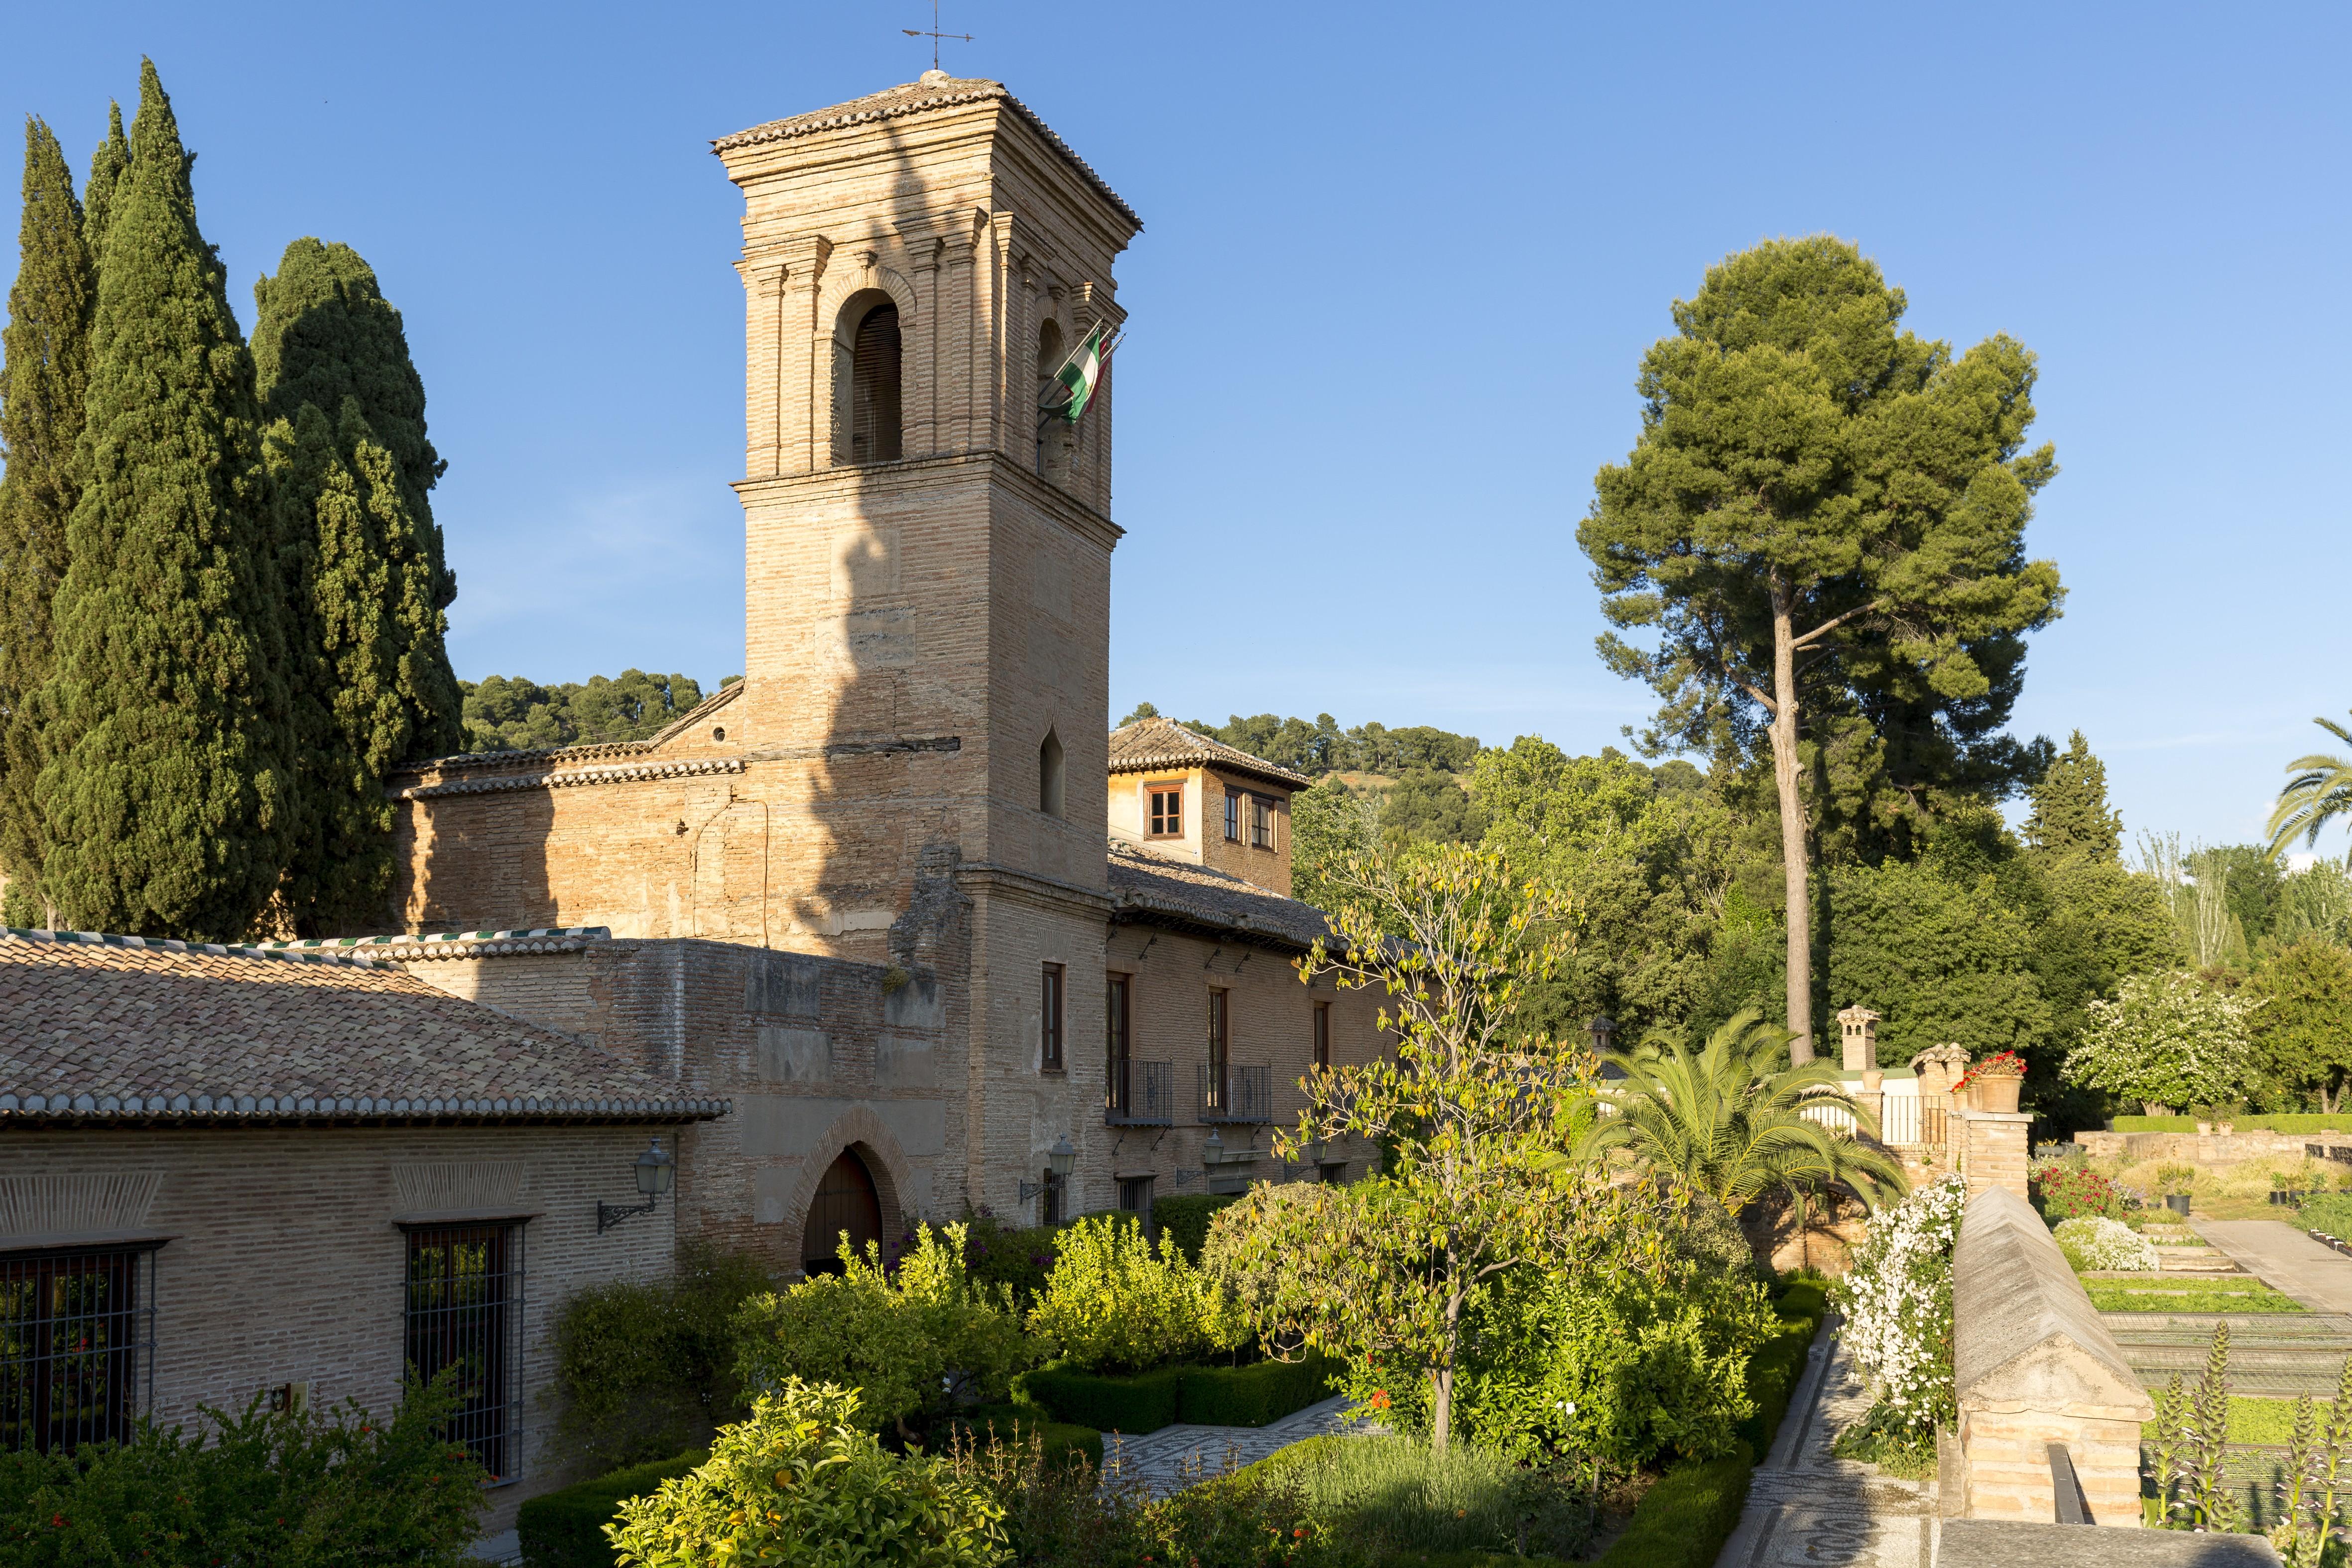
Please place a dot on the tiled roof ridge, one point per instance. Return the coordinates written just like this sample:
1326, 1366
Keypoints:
1194, 747
282, 951
412, 945
699, 711
525, 759
316, 1105
552, 778
926, 93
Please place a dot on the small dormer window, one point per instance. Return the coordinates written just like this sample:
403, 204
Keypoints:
1164, 816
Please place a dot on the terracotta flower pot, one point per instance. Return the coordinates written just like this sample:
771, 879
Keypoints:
1996, 1094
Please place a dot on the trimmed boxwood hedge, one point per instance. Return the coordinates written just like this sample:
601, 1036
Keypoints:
1684, 1521
1253, 1395
1185, 1220
566, 1529
2289, 1122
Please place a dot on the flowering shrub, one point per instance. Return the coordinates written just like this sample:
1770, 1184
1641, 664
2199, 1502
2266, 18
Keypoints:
2092, 1242
2166, 1039
1897, 1304
804, 1481
2063, 1192
1115, 1302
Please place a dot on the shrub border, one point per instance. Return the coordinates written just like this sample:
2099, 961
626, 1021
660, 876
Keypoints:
566, 1529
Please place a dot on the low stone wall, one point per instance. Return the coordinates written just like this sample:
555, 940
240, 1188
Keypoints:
2033, 1365
2210, 1148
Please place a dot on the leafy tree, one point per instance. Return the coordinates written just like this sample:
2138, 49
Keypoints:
2314, 903
1322, 747
44, 383
2303, 1030
1937, 958
511, 713
1646, 858
1329, 823
165, 791
2070, 812
2319, 792
1429, 807
1476, 1115
1824, 508
1730, 1122
1141, 711
350, 467
1115, 1302
2167, 1039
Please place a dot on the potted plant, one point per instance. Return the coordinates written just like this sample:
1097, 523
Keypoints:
1993, 1083
2176, 1181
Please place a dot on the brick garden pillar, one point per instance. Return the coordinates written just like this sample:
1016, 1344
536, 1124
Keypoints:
1992, 1149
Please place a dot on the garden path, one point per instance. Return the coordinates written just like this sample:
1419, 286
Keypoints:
2285, 1259
1805, 1506
1183, 1455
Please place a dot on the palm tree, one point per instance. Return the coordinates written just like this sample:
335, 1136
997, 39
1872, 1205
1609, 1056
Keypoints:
1731, 1121
2320, 791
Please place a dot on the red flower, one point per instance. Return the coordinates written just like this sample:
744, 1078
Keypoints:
1380, 1399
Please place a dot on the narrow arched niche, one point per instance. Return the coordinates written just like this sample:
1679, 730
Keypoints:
847, 1201
868, 377
1050, 775
1051, 352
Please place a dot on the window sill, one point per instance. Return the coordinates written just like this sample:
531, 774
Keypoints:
1052, 1072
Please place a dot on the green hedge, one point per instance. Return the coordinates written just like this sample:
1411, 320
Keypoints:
1185, 1220
1778, 1363
1684, 1521
1205, 1396
2286, 1122
566, 1529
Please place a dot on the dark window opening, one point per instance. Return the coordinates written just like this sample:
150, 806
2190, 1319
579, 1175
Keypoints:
1322, 1034
1049, 1042
77, 1348
1232, 817
1118, 1093
1261, 823
1049, 1201
1219, 1052
1049, 775
1050, 432
874, 384
845, 1201
465, 1317
1135, 1197
1167, 815
1334, 1173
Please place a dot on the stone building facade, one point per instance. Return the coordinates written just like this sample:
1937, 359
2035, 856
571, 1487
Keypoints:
889, 894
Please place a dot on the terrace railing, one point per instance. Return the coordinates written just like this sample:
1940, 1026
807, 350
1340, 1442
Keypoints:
1140, 1094
1237, 1095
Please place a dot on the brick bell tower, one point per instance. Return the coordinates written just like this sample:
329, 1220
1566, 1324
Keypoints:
927, 573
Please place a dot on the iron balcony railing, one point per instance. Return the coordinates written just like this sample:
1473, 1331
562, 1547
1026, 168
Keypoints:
1237, 1095
1140, 1093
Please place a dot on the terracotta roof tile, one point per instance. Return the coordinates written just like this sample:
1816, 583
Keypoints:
1150, 743
112, 1026
936, 90
1151, 886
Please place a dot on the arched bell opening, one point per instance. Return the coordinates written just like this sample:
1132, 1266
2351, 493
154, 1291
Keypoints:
868, 381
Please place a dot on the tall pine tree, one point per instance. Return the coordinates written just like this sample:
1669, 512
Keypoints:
350, 469
44, 380
165, 791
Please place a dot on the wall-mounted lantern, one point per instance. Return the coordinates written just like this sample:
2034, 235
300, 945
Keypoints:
657, 1171
1060, 1161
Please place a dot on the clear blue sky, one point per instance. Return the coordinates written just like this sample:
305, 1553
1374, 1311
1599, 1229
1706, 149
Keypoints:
1399, 263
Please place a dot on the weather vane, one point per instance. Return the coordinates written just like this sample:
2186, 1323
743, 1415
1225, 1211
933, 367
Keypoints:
935, 34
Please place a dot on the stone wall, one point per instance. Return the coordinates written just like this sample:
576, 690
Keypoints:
2032, 1366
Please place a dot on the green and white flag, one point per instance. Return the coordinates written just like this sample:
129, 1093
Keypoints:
1080, 374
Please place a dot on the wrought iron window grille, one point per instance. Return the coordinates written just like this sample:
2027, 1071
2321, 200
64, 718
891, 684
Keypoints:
462, 1313
77, 1348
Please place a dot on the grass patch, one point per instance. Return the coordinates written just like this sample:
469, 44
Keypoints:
2253, 1420
2182, 1293
1397, 1501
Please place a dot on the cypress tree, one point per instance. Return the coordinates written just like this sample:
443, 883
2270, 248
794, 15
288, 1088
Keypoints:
165, 792
106, 167
351, 468
44, 379
2070, 813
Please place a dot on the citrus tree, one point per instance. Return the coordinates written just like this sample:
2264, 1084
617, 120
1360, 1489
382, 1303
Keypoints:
1478, 1117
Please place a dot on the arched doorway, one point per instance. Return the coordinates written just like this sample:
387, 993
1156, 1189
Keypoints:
846, 1200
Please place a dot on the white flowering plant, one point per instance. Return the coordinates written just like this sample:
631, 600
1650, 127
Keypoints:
1897, 1300
2092, 1241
